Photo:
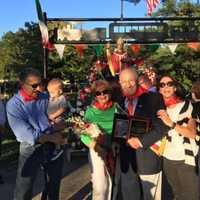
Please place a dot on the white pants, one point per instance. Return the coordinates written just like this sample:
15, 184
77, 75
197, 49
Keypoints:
151, 186
101, 181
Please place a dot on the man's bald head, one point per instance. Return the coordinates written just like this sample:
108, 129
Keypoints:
129, 71
128, 81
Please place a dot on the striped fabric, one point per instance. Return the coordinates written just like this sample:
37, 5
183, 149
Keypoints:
151, 5
190, 145
198, 125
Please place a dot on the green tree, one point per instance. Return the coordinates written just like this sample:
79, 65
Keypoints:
184, 64
71, 64
20, 49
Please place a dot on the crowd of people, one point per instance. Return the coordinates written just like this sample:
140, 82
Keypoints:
140, 172
130, 168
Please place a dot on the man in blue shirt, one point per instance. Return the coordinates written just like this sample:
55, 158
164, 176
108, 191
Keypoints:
27, 117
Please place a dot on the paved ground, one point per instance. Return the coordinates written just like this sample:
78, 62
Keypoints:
75, 182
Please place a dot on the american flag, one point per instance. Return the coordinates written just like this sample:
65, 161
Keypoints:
151, 5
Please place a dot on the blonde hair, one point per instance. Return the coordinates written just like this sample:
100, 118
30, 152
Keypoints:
120, 40
55, 82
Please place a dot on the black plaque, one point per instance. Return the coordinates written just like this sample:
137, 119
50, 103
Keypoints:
138, 126
125, 127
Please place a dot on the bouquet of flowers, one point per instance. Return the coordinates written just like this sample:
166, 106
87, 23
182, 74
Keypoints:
79, 127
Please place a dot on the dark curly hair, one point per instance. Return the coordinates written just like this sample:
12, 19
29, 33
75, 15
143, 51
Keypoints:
180, 90
196, 89
28, 72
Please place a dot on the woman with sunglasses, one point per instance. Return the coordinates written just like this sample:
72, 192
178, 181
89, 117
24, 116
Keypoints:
101, 113
181, 149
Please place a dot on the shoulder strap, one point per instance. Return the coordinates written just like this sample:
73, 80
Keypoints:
185, 107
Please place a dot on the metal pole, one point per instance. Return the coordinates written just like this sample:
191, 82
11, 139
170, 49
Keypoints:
45, 53
125, 19
122, 10
45, 57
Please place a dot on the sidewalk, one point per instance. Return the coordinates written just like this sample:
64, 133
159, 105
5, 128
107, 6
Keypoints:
75, 182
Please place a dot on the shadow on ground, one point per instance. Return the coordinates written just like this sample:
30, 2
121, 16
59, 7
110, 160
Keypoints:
78, 165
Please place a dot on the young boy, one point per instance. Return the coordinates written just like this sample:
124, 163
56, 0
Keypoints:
57, 107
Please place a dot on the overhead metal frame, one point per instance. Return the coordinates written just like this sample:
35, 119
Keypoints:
141, 19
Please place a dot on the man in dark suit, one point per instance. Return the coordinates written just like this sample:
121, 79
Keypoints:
138, 166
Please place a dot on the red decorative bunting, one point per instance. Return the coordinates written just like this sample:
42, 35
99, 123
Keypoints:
80, 49
193, 45
135, 48
48, 45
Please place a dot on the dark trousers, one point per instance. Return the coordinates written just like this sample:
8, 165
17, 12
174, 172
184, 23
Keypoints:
182, 180
0, 143
31, 158
0, 153
126, 183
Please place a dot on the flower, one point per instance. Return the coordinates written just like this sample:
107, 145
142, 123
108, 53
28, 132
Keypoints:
79, 126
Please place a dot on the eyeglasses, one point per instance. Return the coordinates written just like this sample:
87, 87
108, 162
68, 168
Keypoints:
131, 82
34, 86
168, 84
104, 92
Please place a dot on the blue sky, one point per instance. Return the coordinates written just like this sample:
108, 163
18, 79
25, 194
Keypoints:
14, 13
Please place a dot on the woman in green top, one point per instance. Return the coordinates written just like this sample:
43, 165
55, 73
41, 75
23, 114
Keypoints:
101, 113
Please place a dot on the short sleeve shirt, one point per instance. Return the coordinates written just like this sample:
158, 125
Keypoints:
54, 105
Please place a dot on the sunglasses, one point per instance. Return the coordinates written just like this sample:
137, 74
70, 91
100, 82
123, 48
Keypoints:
168, 84
104, 92
34, 86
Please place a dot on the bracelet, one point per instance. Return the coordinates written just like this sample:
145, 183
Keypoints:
173, 125
197, 138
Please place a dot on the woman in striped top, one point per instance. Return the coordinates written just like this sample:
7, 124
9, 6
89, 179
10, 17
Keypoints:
179, 164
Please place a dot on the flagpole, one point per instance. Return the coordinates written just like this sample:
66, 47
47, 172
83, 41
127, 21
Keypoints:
122, 9
45, 53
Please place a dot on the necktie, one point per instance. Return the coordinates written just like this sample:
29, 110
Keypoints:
130, 107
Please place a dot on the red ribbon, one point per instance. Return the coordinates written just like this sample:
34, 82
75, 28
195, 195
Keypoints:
103, 107
26, 97
172, 101
140, 90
